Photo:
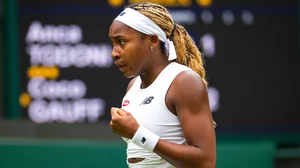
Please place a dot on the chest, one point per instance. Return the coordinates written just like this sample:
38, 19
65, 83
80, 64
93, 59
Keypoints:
146, 107
149, 109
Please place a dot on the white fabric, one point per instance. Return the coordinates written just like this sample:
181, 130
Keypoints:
154, 115
143, 24
145, 138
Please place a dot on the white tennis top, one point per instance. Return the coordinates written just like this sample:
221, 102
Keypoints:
148, 107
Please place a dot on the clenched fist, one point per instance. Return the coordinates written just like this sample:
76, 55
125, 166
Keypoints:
123, 123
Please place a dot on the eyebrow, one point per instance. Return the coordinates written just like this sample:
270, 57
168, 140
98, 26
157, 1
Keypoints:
116, 37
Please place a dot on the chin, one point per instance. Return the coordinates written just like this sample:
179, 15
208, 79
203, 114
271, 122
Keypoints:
128, 75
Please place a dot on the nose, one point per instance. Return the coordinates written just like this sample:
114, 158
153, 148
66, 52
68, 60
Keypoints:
115, 54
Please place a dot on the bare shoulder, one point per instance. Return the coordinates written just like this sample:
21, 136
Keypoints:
188, 79
130, 83
188, 83
188, 91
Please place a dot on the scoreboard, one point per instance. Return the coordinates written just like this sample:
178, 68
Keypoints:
250, 50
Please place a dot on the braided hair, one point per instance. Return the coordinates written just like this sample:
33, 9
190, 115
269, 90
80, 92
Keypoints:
186, 50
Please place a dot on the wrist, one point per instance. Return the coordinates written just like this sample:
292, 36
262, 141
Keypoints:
145, 138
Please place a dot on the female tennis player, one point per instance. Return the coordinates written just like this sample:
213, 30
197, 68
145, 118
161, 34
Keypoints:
165, 116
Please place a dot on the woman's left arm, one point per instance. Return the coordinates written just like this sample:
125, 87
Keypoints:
189, 96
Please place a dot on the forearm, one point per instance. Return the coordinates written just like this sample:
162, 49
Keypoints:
184, 156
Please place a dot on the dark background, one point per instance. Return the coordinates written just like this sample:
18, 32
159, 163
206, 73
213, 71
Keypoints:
254, 68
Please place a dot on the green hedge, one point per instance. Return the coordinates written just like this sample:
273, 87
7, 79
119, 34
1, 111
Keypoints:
245, 154
84, 154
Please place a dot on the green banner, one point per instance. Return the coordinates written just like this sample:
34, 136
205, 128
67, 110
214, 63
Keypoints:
11, 60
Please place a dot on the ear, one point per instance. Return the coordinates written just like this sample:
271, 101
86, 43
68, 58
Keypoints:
154, 40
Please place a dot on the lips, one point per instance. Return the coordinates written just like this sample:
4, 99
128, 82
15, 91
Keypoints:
120, 66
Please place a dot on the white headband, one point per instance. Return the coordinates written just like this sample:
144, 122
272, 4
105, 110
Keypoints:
143, 24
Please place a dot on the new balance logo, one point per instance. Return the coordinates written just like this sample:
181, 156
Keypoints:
147, 100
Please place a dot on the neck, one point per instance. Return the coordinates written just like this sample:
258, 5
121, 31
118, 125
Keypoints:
149, 76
